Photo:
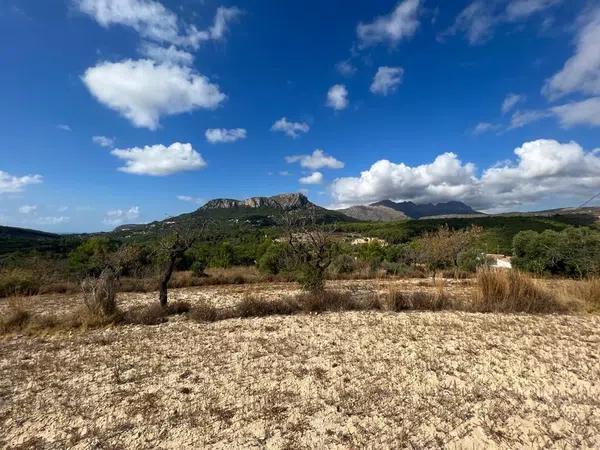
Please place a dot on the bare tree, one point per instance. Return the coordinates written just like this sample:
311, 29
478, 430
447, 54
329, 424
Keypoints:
310, 249
172, 247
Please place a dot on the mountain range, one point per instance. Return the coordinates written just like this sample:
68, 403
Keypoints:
387, 210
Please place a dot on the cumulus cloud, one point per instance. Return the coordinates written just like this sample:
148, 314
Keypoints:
27, 209
313, 178
152, 21
119, 216
544, 169
510, 102
387, 80
337, 97
103, 141
581, 72
63, 127
11, 183
401, 23
159, 160
292, 129
222, 135
317, 160
586, 112
143, 90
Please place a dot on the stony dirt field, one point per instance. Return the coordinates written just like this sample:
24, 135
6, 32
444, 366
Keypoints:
334, 380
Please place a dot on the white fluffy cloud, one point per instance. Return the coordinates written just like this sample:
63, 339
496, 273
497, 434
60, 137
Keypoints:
586, 112
387, 80
149, 18
10, 183
27, 209
317, 160
337, 97
401, 23
292, 129
544, 169
103, 141
64, 127
313, 178
119, 216
143, 90
153, 21
510, 102
159, 160
581, 73
223, 135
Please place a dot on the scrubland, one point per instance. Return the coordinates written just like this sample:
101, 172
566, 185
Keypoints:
377, 363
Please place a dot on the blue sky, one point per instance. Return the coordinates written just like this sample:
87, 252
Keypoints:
118, 111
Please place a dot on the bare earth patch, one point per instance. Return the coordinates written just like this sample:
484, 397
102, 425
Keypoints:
343, 380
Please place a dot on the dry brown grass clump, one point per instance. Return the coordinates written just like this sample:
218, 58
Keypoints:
396, 300
100, 294
19, 319
589, 292
512, 291
584, 292
155, 314
305, 302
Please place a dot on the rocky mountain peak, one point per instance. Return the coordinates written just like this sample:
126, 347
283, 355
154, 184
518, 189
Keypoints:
284, 202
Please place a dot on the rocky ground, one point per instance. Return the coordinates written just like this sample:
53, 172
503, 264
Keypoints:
335, 380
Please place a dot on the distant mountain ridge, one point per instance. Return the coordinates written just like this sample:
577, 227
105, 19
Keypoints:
416, 211
374, 212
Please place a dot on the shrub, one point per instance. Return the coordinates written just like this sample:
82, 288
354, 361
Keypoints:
198, 267
91, 257
205, 312
18, 282
153, 314
321, 301
342, 265
572, 252
396, 300
15, 318
273, 260
258, 307
512, 291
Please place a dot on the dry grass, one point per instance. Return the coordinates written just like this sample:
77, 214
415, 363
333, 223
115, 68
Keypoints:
17, 318
397, 300
302, 303
511, 291
585, 292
